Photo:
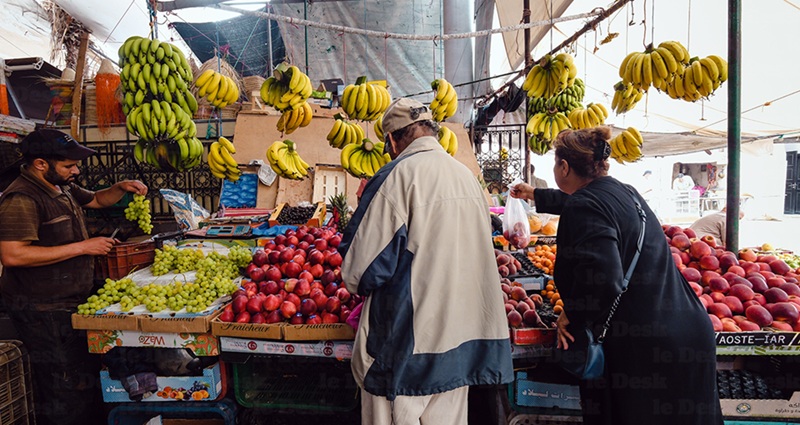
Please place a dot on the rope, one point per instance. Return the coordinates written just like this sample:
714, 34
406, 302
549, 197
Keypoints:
644, 23
151, 9
118, 22
350, 30
689, 27
248, 40
652, 22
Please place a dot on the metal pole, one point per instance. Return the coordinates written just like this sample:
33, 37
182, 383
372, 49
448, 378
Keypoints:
734, 123
269, 40
305, 30
526, 18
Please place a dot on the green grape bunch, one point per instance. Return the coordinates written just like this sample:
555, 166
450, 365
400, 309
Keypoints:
138, 210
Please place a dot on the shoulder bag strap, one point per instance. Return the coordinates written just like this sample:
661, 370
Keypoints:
632, 266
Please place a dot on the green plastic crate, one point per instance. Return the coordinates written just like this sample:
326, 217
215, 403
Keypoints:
295, 383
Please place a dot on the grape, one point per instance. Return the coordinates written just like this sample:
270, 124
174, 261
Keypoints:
138, 210
214, 278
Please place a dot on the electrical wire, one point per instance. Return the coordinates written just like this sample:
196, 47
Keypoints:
350, 30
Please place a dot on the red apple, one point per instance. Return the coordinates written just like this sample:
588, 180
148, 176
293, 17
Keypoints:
720, 310
259, 257
700, 249
308, 306
758, 315
334, 260
514, 318
342, 294
742, 292
291, 269
293, 298
258, 318
227, 314
776, 295
784, 312
335, 240
303, 288
313, 320
297, 319
242, 317
330, 289
254, 305
303, 245
292, 240
715, 323
709, 240
333, 305
691, 275
689, 232
288, 309
274, 317
330, 317
239, 303
748, 254
273, 273
274, 257
681, 242
257, 274
321, 244
271, 303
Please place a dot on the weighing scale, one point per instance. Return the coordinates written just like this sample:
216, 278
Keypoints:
229, 230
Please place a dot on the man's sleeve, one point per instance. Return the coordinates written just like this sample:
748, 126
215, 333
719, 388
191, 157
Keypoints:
81, 195
20, 219
373, 244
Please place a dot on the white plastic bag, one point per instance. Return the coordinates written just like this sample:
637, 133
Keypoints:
516, 228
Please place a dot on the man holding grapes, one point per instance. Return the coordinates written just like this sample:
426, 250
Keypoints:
47, 254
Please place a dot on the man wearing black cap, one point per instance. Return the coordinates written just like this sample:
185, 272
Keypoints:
47, 257
433, 323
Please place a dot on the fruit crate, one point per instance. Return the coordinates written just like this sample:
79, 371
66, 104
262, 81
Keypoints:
294, 383
126, 257
16, 389
316, 219
222, 412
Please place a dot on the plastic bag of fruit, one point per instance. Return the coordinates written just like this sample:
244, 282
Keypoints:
516, 228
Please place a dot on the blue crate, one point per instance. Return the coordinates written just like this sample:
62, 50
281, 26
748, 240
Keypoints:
139, 413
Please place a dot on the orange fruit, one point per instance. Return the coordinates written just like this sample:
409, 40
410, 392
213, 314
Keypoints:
558, 309
550, 229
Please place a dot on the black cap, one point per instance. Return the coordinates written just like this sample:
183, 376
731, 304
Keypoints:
48, 143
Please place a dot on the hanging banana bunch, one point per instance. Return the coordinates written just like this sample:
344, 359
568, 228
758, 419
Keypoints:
287, 88
550, 76
294, 119
625, 97
158, 105
593, 115
344, 132
547, 124
378, 127
218, 89
285, 161
364, 159
365, 100
627, 146
221, 162
448, 140
445, 102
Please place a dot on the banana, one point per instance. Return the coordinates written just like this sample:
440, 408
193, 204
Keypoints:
722, 67
227, 144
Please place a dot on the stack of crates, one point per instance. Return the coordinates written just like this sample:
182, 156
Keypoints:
16, 388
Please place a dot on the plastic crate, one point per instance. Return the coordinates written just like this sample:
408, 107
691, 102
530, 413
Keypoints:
16, 389
124, 258
303, 384
140, 413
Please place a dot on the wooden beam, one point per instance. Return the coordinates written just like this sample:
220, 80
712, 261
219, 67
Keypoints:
166, 6
77, 92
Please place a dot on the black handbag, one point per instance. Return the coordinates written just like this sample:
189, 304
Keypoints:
585, 358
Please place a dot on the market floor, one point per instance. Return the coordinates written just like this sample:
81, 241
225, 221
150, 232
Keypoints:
781, 234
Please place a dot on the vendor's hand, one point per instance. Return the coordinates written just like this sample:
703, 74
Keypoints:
133, 186
97, 246
522, 190
562, 335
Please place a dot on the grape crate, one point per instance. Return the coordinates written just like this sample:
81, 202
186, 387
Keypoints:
312, 215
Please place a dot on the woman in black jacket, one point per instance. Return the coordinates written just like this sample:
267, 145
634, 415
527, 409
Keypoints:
660, 352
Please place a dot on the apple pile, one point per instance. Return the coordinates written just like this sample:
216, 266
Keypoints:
295, 278
507, 265
747, 292
520, 307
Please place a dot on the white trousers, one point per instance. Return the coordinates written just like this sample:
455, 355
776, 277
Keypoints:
448, 408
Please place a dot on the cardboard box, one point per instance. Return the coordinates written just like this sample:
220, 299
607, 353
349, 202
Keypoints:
546, 395
124, 322
179, 324
340, 350
533, 336
201, 344
321, 332
176, 386
247, 330
762, 408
